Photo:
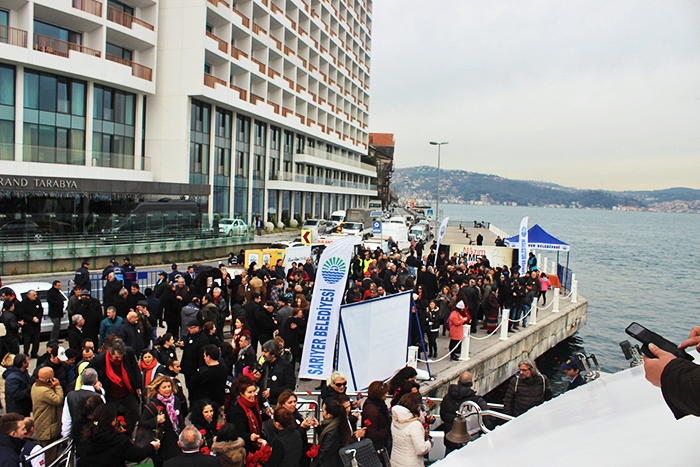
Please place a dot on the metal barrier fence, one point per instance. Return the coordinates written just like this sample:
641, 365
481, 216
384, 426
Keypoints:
565, 276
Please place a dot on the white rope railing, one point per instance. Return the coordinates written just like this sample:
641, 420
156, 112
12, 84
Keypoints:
546, 306
441, 358
523, 316
489, 335
567, 296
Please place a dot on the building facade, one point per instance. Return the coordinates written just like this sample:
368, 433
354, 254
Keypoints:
257, 108
381, 154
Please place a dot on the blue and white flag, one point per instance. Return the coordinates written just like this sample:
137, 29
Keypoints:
443, 229
522, 245
324, 312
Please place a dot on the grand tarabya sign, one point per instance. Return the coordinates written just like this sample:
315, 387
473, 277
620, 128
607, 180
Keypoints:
11, 182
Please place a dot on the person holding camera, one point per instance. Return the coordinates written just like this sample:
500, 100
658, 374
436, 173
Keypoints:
678, 378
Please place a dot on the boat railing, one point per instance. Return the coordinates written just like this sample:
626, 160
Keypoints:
65, 459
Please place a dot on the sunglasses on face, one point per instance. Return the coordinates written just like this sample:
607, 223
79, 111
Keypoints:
341, 385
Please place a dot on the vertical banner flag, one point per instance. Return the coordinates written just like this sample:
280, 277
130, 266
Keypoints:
522, 245
324, 312
443, 229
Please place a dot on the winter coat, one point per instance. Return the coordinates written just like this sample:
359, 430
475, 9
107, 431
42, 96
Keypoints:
18, 397
9, 319
456, 322
132, 336
10, 448
456, 395
111, 449
189, 314
210, 312
55, 299
286, 448
107, 328
280, 377
29, 310
230, 453
169, 437
524, 394
376, 419
99, 364
48, 404
409, 443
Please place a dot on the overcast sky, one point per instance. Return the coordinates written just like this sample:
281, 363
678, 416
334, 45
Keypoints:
587, 94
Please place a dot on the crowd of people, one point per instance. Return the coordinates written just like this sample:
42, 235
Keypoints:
124, 390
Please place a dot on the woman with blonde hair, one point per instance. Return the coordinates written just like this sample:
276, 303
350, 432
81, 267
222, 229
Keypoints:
162, 414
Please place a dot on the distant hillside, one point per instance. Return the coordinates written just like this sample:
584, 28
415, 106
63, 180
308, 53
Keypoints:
670, 194
459, 186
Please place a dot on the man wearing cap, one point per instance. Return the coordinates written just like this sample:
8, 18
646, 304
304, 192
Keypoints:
129, 272
82, 276
130, 332
75, 332
161, 284
572, 371
56, 362
173, 275
31, 313
118, 371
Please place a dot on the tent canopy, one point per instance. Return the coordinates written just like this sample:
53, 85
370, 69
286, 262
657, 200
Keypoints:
538, 239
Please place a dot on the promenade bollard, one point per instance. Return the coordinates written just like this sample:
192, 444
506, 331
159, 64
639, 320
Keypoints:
539, 260
574, 291
545, 268
504, 325
412, 356
466, 339
555, 305
533, 314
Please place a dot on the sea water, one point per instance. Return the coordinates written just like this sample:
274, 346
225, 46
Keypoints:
630, 266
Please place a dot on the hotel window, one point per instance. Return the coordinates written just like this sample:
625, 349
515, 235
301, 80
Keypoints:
121, 7
54, 119
57, 32
113, 128
199, 142
119, 52
4, 20
240, 190
7, 111
222, 161
259, 142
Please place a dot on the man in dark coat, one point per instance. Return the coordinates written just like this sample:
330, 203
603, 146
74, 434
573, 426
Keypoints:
428, 280
57, 362
209, 381
252, 308
469, 294
18, 387
11, 308
246, 356
572, 371
31, 313
130, 332
265, 322
456, 395
278, 373
82, 276
190, 441
55, 300
111, 366
76, 335
193, 351
161, 284
134, 296
528, 389
171, 310
91, 311
111, 290
11, 439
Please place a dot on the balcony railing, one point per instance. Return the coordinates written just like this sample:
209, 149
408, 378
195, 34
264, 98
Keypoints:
13, 36
216, 2
90, 6
125, 19
137, 70
242, 93
223, 46
53, 155
53, 46
120, 161
211, 80
320, 153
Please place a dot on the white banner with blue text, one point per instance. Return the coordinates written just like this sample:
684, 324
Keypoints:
522, 254
324, 313
443, 229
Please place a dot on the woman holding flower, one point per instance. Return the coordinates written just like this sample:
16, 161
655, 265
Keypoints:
162, 414
375, 415
245, 413
204, 416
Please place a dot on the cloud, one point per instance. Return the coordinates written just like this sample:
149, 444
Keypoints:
585, 94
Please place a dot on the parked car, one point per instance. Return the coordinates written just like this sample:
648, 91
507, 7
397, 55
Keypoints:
232, 227
419, 232
21, 230
319, 225
21, 288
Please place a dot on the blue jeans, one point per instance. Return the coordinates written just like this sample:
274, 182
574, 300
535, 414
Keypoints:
514, 316
523, 312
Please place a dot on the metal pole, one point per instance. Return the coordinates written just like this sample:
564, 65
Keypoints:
504, 325
437, 198
466, 333
555, 305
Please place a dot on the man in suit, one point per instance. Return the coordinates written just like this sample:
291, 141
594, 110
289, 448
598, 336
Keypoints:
189, 442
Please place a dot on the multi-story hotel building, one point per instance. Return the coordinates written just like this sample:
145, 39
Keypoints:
253, 108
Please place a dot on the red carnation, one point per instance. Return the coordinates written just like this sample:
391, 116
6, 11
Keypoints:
203, 432
368, 423
313, 452
205, 450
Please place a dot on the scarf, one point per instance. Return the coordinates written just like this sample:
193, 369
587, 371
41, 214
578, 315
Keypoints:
252, 412
122, 380
148, 371
170, 408
331, 424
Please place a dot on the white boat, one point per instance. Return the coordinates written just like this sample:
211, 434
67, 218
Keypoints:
616, 420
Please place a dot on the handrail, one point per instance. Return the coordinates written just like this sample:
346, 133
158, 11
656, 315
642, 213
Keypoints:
223, 46
140, 71
53, 46
125, 19
211, 80
50, 446
89, 6
13, 36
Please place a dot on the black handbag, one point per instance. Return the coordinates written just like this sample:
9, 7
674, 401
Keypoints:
360, 454
144, 436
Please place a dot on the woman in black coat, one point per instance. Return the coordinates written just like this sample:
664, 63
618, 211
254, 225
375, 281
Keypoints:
103, 446
245, 413
335, 434
204, 415
162, 414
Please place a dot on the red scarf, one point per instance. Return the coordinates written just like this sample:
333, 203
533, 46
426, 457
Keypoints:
252, 412
120, 381
148, 371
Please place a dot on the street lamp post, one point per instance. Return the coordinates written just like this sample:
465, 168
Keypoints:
437, 198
